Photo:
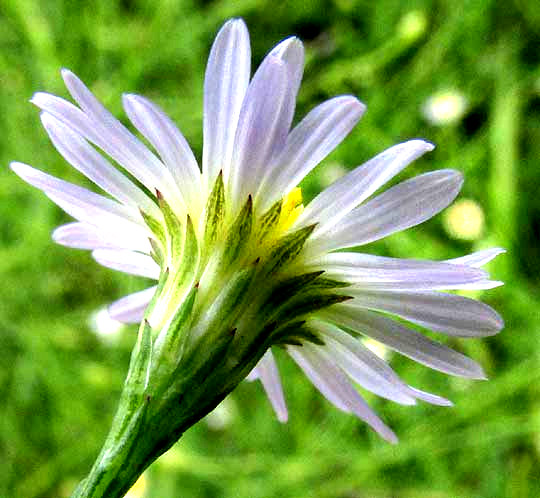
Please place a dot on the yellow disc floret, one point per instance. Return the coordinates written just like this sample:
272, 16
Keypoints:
291, 208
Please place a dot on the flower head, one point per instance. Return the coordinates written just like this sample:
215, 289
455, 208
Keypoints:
241, 264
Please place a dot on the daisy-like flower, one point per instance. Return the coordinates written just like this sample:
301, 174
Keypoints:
241, 265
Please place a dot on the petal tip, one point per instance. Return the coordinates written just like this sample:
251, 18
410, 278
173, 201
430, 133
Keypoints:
68, 75
283, 417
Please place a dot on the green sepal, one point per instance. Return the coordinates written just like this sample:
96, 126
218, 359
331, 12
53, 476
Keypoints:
171, 334
185, 267
139, 367
304, 303
174, 230
215, 212
296, 335
287, 248
155, 226
226, 308
239, 233
287, 289
168, 345
156, 253
159, 241
177, 282
323, 283
210, 338
205, 355
190, 254
269, 221
163, 277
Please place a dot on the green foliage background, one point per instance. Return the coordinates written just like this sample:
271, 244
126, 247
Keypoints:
59, 382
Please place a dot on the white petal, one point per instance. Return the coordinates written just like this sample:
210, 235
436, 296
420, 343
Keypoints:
85, 236
333, 203
335, 387
480, 285
268, 373
362, 365
262, 127
308, 144
383, 273
171, 145
253, 375
104, 130
127, 261
404, 340
131, 308
402, 206
77, 201
448, 313
270, 108
225, 84
291, 51
430, 398
82, 156
477, 259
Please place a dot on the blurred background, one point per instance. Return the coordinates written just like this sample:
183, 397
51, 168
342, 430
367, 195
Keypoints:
464, 74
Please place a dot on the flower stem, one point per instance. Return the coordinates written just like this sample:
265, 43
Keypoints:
161, 399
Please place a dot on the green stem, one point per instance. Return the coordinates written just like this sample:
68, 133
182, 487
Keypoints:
156, 407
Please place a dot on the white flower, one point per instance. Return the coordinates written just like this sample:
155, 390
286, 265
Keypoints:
233, 240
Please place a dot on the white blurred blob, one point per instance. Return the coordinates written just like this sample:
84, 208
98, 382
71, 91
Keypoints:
106, 328
412, 25
222, 415
445, 108
464, 220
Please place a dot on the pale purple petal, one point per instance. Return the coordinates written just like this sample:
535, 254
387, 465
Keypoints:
253, 375
333, 203
432, 399
266, 116
448, 313
362, 365
291, 51
335, 387
171, 145
134, 263
101, 128
477, 259
225, 84
81, 203
308, 144
403, 340
82, 156
400, 207
85, 236
131, 308
267, 372
383, 273
262, 128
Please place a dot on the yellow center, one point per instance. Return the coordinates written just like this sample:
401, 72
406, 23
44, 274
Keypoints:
291, 208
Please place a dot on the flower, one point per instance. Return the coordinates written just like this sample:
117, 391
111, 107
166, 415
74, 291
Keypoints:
242, 266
